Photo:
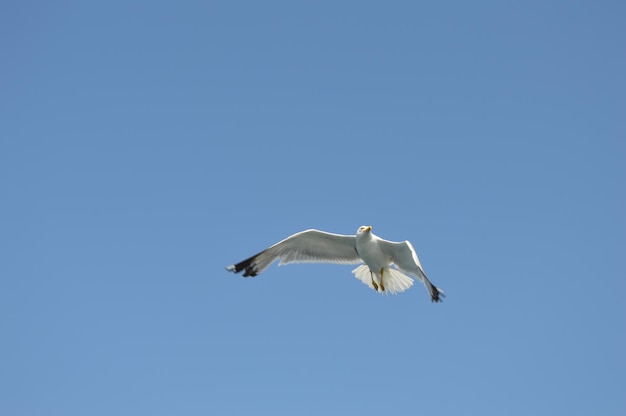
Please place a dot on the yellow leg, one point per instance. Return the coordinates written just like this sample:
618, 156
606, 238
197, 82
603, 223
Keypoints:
373, 282
382, 286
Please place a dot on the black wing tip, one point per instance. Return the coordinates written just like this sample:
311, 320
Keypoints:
247, 266
438, 297
436, 294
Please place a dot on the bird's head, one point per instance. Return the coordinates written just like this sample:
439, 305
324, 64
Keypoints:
364, 229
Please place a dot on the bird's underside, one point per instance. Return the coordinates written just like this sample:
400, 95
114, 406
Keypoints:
386, 269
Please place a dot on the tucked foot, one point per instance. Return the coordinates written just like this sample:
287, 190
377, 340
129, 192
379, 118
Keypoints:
382, 286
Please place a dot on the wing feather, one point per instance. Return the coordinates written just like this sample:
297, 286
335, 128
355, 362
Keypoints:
405, 258
310, 246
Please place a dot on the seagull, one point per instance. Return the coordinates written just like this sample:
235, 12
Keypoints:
378, 256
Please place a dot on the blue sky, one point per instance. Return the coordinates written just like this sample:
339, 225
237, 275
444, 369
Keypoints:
144, 146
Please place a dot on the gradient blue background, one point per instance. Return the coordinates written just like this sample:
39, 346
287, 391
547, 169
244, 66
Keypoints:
144, 146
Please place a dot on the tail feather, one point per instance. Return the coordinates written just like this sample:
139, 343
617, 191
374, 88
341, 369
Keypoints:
394, 280
363, 274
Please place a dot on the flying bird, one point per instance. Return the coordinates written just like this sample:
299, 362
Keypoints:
386, 263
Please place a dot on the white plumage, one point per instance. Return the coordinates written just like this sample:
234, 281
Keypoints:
380, 256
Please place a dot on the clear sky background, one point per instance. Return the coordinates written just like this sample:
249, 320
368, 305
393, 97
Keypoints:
144, 146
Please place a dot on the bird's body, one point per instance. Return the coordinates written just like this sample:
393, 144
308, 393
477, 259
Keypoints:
373, 256
314, 246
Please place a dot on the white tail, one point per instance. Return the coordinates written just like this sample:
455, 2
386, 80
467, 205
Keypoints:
394, 280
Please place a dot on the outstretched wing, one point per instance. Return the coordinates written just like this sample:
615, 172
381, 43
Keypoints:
405, 258
310, 246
